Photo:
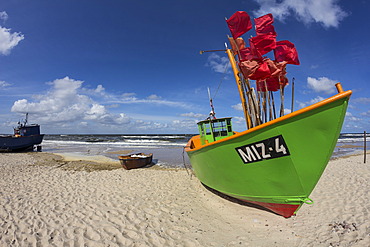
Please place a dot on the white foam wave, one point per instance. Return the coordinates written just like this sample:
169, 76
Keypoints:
129, 143
154, 137
347, 140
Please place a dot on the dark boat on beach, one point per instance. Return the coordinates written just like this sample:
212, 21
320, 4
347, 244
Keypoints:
135, 160
25, 137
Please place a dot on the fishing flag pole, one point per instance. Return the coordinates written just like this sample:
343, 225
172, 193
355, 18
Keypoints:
293, 94
240, 87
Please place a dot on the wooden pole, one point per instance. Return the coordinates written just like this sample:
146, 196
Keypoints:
282, 100
240, 87
293, 94
248, 88
273, 104
201, 52
256, 106
265, 107
364, 147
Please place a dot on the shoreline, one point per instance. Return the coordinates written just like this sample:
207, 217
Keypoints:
47, 200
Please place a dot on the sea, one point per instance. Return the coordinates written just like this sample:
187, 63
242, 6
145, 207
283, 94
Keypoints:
168, 149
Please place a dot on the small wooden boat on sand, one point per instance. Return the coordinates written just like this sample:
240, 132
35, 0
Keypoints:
133, 161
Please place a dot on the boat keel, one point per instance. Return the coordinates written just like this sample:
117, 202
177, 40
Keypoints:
285, 210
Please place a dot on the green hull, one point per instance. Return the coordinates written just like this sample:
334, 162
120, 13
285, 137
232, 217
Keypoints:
279, 162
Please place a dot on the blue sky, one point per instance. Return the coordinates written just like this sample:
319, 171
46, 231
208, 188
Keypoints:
120, 66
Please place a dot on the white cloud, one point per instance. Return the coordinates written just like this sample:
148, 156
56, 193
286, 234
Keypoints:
69, 107
129, 98
239, 121
314, 66
99, 89
362, 100
96, 111
238, 107
316, 100
154, 97
3, 16
4, 84
287, 111
350, 117
217, 63
185, 124
326, 12
321, 85
8, 40
128, 95
63, 103
193, 115
310, 102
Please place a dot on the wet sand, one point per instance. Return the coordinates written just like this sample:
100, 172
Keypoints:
49, 200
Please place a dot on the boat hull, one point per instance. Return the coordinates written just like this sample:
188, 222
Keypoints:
128, 162
277, 164
14, 143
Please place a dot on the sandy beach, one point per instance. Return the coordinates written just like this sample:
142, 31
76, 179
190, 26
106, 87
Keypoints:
46, 200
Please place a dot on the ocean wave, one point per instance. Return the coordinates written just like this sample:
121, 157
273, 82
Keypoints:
129, 143
353, 139
154, 137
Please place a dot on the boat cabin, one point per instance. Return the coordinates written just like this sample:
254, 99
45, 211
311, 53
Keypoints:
211, 130
27, 130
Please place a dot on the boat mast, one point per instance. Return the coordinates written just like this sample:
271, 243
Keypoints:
26, 120
241, 89
212, 114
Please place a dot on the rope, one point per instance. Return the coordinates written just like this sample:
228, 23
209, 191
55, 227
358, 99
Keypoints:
222, 78
184, 163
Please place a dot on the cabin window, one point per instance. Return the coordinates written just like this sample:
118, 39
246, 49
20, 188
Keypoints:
208, 129
215, 129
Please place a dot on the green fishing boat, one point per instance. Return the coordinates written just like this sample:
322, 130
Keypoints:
275, 164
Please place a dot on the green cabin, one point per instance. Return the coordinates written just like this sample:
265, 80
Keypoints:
211, 130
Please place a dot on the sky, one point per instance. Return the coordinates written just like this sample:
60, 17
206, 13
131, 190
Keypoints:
134, 67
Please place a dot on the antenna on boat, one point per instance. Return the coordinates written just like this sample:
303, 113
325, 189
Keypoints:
212, 114
26, 120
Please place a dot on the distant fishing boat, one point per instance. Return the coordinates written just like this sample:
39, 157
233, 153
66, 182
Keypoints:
135, 160
276, 162
25, 137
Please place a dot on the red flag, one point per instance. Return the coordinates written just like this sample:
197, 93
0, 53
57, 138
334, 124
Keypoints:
263, 43
267, 30
282, 67
239, 23
237, 44
286, 51
264, 21
248, 67
249, 53
273, 83
262, 72
283, 81
274, 68
264, 25
270, 84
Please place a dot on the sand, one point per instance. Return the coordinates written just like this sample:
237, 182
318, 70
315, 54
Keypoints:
46, 200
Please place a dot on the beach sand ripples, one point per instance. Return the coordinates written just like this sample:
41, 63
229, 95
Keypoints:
43, 204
